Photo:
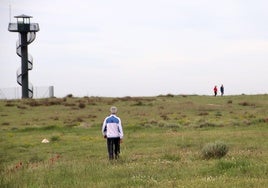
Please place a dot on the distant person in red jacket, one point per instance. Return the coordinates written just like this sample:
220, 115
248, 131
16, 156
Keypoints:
215, 91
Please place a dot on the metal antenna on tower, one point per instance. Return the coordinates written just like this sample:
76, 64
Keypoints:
9, 13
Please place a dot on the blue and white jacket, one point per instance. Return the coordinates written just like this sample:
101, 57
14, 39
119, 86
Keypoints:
112, 127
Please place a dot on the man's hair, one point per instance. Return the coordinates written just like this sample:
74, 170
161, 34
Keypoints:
113, 110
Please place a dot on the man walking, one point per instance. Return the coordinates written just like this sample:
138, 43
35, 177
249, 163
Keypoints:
222, 90
112, 130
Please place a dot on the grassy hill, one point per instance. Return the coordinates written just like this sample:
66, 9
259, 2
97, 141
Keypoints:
163, 144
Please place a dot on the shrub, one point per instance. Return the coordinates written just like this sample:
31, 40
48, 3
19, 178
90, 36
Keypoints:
9, 104
53, 101
138, 103
246, 104
69, 104
170, 95
218, 114
32, 102
214, 150
21, 106
55, 138
49, 127
69, 96
81, 105
203, 114
164, 117
207, 124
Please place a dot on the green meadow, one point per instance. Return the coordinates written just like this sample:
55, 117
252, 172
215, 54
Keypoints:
163, 146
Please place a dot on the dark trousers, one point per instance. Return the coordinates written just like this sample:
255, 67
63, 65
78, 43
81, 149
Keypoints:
113, 146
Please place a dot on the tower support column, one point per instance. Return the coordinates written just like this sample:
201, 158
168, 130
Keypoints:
24, 65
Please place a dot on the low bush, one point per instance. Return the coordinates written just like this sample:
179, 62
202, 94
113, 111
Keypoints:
81, 105
69, 96
246, 104
214, 150
55, 138
203, 114
207, 124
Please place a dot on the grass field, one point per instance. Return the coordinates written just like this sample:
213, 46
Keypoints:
162, 146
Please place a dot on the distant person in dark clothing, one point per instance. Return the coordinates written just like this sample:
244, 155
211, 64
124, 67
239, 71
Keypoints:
112, 130
222, 90
215, 91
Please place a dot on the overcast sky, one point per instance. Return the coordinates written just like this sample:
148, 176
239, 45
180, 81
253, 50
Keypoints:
141, 47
